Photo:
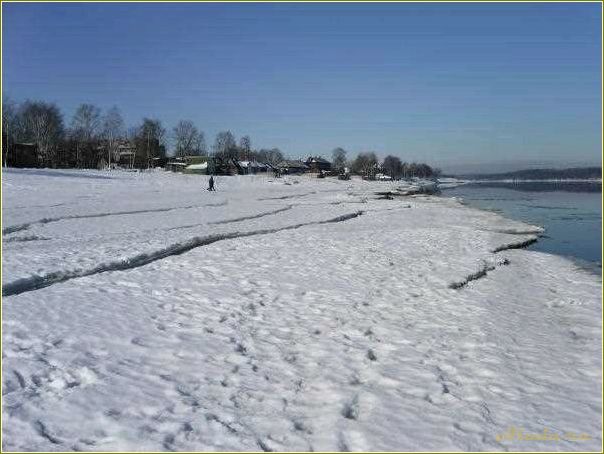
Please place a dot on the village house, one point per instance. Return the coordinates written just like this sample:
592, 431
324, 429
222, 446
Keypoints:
317, 164
253, 167
189, 164
290, 167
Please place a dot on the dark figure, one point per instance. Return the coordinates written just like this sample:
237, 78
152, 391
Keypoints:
211, 188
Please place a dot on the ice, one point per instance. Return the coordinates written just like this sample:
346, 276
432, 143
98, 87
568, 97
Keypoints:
321, 316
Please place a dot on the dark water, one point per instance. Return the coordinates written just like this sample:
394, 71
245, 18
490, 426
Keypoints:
570, 212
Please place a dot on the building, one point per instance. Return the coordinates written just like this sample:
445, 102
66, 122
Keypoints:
125, 155
289, 167
199, 169
226, 166
317, 164
190, 164
253, 167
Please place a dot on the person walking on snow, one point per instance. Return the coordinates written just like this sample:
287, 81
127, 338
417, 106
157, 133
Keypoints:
211, 188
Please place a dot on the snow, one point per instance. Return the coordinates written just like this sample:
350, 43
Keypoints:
142, 312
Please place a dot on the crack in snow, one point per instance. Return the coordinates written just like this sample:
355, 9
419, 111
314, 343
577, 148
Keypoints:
43, 432
27, 225
517, 245
289, 196
255, 216
37, 282
482, 272
228, 221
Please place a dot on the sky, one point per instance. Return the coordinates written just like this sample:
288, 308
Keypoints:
464, 87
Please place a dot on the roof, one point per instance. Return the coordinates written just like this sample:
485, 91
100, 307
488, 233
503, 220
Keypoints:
195, 159
252, 164
317, 159
202, 166
292, 164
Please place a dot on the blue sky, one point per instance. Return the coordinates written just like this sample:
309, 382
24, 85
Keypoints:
460, 86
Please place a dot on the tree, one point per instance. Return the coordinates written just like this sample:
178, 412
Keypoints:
405, 169
187, 139
273, 156
245, 147
113, 129
86, 121
424, 170
42, 124
225, 145
365, 164
392, 166
339, 159
149, 142
412, 169
85, 126
9, 126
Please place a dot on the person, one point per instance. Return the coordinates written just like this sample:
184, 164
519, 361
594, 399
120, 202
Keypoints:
211, 188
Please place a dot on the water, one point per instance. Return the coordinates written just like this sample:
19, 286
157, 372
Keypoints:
570, 212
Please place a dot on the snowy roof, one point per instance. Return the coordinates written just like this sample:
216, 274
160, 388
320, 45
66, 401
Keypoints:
318, 159
292, 164
252, 164
203, 165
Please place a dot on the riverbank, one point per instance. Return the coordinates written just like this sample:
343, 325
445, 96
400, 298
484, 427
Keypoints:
142, 312
570, 213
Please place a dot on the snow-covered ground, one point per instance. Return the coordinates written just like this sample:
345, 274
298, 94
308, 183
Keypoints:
141, 312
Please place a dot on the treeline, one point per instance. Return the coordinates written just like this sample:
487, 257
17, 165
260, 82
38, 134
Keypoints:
91, 139
368, 165
96, 139
574, 173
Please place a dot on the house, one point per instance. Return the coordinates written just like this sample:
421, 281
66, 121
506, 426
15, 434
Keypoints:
176, 166
159, 162
199, 169
253, 167
382, 177
317, 164
190, 164
125, 155
292, 167
225, 166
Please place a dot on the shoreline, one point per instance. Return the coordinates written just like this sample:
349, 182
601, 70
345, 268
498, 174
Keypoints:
593, 267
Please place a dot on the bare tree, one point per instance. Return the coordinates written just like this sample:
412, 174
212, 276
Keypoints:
392, 166
113, 130
365, 164
339, 159
85, 126
43, 125
245, 146
187, 139
86, 120
149, 142
9, 126
273, 156
225, 145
